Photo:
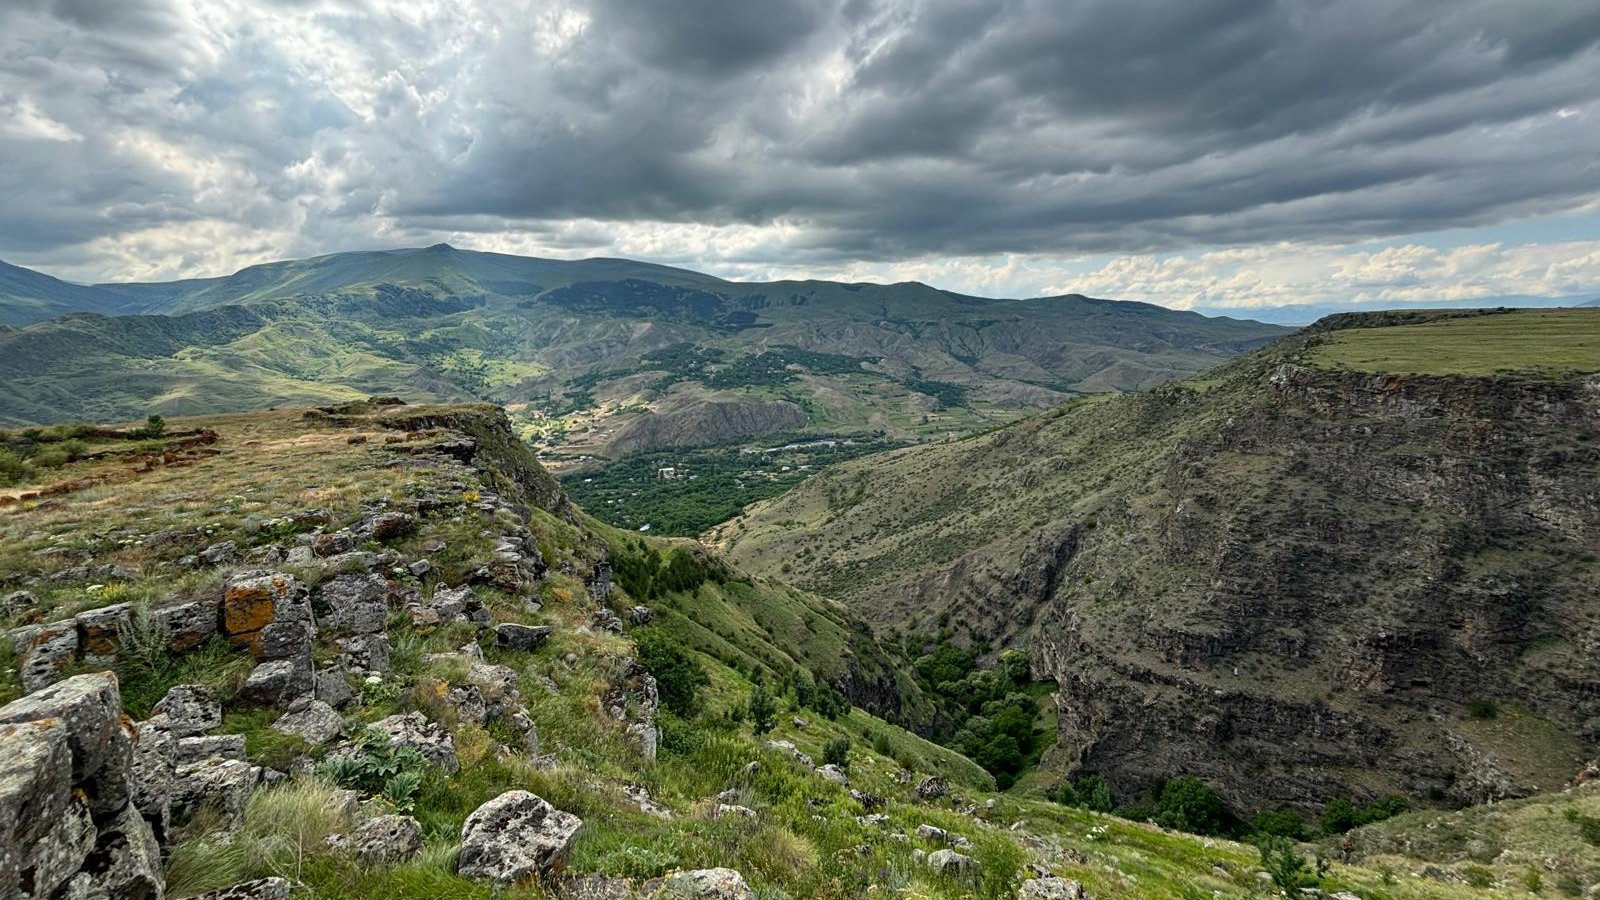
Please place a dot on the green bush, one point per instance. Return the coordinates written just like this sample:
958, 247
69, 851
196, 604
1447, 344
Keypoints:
1342, 815
837, 752
1289, 870
13, 469
1478, 876
1588, 826
678, 675
1189, 804
154, 427
761, 708
1284, 823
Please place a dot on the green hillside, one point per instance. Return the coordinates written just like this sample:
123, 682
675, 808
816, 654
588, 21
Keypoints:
27, 297
602, 358
1289, 576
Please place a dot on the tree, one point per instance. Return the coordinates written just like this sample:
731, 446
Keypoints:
1339, 816
837, 752
678, 676
1094, 793
1189, 804
154, 426
1002, 758
761, 708
1289, 870
1284, 823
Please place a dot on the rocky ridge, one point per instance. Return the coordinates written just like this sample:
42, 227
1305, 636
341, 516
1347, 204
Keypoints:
1293, 581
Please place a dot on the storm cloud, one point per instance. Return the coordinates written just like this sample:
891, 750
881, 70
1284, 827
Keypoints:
147, 138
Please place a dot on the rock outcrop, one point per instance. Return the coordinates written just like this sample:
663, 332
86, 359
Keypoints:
515, 838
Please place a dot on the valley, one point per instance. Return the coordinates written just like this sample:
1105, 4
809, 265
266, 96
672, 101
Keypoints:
1356, 562
343, 636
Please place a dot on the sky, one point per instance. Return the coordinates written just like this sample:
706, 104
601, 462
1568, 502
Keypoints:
1211, 153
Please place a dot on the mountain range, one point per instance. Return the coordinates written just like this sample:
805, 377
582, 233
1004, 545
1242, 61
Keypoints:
591, 357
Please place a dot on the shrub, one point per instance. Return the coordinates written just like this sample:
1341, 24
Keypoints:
881, 744
1189, 804
154, 427
1342, 815
1289, 870
1284, 823
1095, 794
1483, 709
13, 470
837, 752
678, 675
761, 708
1588, 826
1478, 876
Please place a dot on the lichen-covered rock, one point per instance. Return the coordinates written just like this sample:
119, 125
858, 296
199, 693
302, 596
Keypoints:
933, 833
333, 688
355, 604
278, 682
125, 863
35, 787
365, 652
102, 747
283, 640
154, 766
642, 615
606, 620
188, 625
383, 840
100, 632
413, 729
516, 837
44, 651
223, 783
513, 636
834, 774
62, 851
1050, 888
190, 709
949, 862
386, 526
313, 721
699, 884
210, 746
932, 788
260, 889
253, 600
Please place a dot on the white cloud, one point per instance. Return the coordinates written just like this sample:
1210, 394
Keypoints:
1286, 274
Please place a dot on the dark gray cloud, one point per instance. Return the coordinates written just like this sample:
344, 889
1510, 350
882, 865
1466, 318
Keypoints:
821, 130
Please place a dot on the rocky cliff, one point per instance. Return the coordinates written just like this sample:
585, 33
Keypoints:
1294, 580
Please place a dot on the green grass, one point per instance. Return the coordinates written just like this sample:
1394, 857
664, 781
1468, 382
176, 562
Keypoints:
1525, 342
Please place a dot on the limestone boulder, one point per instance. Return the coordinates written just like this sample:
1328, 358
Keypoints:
190, 709
699, 884
516, 838
312, 720
383, 840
